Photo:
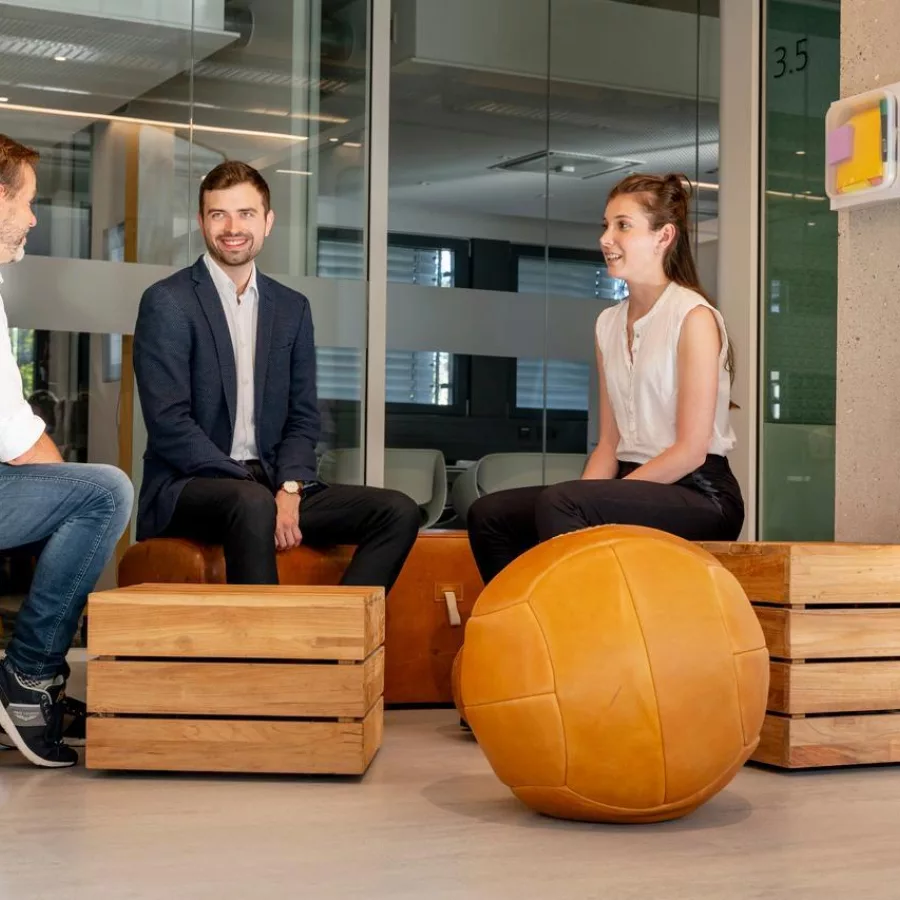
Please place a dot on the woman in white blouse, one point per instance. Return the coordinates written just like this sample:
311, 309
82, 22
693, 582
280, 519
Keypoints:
664, 365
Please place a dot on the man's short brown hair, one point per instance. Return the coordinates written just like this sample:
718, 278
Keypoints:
13, 156
230, 173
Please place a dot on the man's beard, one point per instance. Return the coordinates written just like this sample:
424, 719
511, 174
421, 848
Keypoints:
12, 243
231, 258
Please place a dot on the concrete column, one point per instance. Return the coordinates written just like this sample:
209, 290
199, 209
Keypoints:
867, 476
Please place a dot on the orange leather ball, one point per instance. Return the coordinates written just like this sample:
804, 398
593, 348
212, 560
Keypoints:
455, 672
616, 674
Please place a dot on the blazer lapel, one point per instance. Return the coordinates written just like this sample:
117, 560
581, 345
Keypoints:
264, 323
212, 308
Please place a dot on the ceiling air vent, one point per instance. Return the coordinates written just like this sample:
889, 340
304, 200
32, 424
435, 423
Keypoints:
567, 165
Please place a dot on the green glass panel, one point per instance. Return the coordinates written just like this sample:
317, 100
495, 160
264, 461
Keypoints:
799, 289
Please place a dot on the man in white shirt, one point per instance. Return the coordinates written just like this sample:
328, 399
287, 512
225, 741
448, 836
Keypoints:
226, 369
76, 511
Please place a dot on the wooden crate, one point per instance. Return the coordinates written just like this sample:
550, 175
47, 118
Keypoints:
831, 617
231, 678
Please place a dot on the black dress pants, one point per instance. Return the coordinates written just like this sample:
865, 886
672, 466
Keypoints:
240, 515
704, 506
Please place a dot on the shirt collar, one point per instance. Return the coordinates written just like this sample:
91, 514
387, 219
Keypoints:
224, 285
648, 316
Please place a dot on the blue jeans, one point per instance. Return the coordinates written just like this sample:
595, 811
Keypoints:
80, 512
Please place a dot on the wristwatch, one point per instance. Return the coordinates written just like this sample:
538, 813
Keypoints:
291, 487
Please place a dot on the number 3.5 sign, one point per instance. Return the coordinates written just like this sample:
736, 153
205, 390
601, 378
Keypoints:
786, 65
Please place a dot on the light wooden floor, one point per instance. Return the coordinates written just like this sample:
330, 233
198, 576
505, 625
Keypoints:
430, 821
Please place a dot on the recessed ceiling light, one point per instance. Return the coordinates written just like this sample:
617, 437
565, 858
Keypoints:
333, 140
352, 144
811, 224
60, 58
4, 99
292, 172
800, 152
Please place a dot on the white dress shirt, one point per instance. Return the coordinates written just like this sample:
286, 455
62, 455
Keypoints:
242, 314
643, 385
20, 428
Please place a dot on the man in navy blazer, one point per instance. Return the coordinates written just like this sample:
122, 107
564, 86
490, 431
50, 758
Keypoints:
226, 371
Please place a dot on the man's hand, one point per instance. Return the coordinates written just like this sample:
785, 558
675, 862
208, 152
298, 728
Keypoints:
44, 451
287, 521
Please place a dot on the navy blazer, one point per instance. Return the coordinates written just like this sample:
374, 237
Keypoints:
186, 379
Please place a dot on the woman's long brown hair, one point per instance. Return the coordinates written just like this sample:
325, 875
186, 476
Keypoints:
666, 200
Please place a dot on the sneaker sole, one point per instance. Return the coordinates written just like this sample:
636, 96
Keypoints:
7, 744
13, 734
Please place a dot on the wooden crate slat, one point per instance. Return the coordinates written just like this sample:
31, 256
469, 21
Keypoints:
235, 621
831, 633
829, 741
845, 574
813, 573
834, 687
776, 625
223, 745
761, 568
197, 688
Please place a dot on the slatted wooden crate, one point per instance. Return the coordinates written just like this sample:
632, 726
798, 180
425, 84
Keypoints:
219, 678
831, 617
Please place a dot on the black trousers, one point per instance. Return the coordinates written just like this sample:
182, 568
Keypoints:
704, 506
240, 515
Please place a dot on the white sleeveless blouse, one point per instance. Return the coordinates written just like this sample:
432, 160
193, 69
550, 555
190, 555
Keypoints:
644, 393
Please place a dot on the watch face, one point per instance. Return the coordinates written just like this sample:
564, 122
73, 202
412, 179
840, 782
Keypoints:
291, 487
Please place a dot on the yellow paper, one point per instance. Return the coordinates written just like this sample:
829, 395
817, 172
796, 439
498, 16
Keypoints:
866, 163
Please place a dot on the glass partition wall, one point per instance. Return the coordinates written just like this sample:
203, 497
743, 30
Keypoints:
130, 104
508, 123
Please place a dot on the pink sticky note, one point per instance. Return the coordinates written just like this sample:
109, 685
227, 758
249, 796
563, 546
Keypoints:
840, 145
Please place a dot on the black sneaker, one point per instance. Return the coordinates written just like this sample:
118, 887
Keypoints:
31, 714
74, 725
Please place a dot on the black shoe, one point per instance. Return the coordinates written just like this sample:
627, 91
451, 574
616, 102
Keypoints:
32, 717
74, 725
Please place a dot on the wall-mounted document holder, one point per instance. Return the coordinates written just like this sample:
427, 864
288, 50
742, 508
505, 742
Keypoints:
861, 166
